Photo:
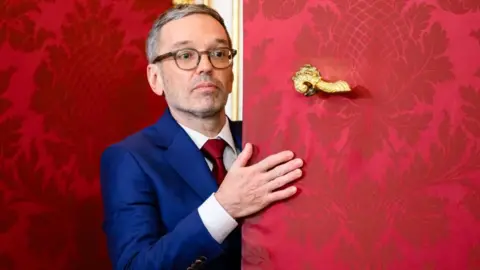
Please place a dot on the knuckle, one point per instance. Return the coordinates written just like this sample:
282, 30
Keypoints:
277, 183
282, 170
280, 182
278, 172
284, 179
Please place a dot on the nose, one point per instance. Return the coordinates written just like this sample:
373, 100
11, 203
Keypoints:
204, 66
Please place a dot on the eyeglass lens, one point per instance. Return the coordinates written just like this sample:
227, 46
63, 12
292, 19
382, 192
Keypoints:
190, 58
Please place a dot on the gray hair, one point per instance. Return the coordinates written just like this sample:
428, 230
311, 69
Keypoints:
175, 13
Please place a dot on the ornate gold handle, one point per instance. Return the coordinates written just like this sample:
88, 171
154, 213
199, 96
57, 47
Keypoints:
308, 81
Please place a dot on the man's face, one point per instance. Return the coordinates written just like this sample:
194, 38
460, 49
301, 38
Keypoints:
203, 91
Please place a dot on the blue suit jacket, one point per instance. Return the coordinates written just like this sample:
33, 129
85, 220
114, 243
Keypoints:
152, 183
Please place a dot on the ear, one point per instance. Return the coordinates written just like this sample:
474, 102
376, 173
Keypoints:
154, 79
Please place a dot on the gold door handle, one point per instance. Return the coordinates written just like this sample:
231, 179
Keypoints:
308, 81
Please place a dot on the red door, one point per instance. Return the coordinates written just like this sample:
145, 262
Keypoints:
392, 175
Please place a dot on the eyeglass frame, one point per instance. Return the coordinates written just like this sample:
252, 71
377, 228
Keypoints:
164, 56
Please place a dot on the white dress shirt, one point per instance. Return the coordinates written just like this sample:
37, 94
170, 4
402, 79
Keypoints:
217, 221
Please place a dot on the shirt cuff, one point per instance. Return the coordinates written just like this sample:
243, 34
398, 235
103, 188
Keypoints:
217, 221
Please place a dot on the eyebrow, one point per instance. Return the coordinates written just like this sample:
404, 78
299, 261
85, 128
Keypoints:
221, 41
218, 41
181, 44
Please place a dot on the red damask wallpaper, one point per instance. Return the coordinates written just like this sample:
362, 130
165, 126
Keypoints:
392, 174
72, 80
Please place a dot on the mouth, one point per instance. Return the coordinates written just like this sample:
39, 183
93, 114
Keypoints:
205, 87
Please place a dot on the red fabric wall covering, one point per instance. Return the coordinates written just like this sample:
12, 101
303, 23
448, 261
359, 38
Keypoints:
72, 80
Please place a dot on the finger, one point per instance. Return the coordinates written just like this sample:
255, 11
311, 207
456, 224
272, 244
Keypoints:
274, 160
284, 169
244, 157
281, 194
279, 182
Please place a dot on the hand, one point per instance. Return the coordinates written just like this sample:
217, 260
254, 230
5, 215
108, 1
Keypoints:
247, 190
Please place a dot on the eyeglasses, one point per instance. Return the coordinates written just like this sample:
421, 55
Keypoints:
188, 59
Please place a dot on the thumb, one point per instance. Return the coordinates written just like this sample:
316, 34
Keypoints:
244, 156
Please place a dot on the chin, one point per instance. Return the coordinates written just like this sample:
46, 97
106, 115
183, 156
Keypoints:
209, 111
206, 107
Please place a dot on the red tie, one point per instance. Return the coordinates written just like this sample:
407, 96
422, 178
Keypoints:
213, 150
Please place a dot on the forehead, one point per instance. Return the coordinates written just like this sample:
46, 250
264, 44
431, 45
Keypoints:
198, 30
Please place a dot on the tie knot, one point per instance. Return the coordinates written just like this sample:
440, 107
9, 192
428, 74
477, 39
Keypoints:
214, 148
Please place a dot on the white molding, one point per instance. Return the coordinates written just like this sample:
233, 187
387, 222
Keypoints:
227, 10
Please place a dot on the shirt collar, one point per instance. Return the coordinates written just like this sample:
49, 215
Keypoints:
199, 139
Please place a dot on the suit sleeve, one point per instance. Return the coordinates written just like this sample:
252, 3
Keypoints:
136, 237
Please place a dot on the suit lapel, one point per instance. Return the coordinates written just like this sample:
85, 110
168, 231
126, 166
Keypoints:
184, 156
236, 128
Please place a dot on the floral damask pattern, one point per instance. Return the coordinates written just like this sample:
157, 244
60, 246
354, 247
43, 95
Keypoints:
392, 172
283, 9
10, 125
459, 6
73, 82
18, 26
98, 52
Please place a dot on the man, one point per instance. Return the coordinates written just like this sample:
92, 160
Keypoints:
169, 201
